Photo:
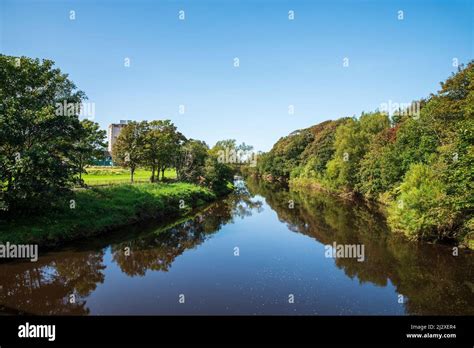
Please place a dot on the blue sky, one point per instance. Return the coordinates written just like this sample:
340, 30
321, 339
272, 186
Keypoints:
282, 62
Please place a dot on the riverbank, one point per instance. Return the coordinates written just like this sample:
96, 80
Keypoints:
98, 210
461, 239
314, 185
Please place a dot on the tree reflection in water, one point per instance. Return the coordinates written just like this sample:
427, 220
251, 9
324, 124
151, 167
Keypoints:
56, 284
432, 280
158, 249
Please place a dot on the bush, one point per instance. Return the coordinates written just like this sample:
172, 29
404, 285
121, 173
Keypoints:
419, 210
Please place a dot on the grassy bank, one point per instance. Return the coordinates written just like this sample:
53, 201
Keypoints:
100, 176
98, 210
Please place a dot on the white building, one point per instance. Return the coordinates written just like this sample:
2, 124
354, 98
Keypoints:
114, 131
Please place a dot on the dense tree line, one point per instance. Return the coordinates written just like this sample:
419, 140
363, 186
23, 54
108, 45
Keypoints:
420, 164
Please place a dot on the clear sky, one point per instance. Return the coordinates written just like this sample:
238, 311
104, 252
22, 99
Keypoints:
282, 62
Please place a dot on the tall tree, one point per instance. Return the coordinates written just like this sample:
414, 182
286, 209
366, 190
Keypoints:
36, 141
129, 148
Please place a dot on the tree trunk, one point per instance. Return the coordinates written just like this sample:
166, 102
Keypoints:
163, 173
153, 173
131, 174
80, 171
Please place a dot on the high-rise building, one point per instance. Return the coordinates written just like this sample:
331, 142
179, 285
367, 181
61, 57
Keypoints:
114, 131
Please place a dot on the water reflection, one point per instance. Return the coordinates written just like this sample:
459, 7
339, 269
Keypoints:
57, 284
60, 282
80, 280
158, 249
432, 280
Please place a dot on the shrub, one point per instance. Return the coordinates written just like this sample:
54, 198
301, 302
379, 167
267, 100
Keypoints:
419, 210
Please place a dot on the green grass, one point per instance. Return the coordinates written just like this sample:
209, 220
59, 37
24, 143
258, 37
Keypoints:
101, 209
101, 176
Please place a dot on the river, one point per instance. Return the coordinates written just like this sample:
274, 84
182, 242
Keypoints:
261, 250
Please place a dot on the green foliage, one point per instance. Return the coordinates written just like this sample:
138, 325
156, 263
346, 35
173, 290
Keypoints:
320, 151
162, 144
199, 164
190, 161
458, 158
349, 147
380, 167
217, 175
423, 158
90, 147
226, 144
351, 144
285, 154
417, 211
129, 148
43, 146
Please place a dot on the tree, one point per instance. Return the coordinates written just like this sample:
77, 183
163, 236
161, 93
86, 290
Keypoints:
190, 161
198, 164
349, 147
319, 152
90, 146
37, 168
172, 141
226, 144
351, 144
129, 148
285, 155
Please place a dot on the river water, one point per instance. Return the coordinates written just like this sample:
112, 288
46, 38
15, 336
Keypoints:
261, 250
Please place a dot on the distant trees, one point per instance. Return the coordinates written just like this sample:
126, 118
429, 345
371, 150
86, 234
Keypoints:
153, 145
159, 145
285, 155
198, 164
419, 163
43, 148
